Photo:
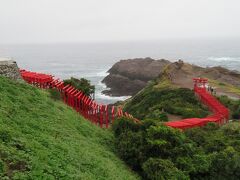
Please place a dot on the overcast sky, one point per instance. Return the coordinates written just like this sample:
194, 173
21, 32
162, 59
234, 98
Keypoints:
39, 21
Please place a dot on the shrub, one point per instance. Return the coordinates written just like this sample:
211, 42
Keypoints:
55, 94
156, 169
124, 124
1, 167
233, 105
236, 115
157, 114
161, 141
226, 164
5, 136
131, 148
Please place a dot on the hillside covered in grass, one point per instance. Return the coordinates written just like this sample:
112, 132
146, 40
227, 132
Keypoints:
44, 139
161, 98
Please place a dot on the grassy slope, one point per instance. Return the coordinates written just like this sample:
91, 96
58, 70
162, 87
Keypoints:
225, 86
44, 139
161, 94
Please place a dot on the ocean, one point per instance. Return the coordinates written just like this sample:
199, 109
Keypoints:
92, 60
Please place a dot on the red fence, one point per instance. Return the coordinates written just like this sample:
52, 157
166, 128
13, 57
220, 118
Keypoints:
103, 115
99, 114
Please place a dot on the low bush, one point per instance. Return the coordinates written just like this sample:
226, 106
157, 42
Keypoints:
156, 151
232, 105
123, 124
156, 169
55, 94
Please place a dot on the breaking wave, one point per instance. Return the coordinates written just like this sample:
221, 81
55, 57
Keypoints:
220, 59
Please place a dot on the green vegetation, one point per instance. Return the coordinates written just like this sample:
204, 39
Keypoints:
232, 105
157, 99
55, 94
157, 152
44, 139
81, 84
227, 87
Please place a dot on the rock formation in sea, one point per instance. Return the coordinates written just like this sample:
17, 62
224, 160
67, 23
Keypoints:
127, 77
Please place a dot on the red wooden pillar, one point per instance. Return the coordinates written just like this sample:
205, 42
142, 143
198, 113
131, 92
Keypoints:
76, 100
101, 116
79, 102
118, 112
87, 107
67, 94
70, 96
106, 116
113, 115
96, 107
64, 93
90, 110
84, 105
73, 97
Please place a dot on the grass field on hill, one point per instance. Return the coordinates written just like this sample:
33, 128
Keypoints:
44, 139
161, 97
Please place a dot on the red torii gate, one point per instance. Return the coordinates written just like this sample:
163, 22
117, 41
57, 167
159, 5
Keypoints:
200, 82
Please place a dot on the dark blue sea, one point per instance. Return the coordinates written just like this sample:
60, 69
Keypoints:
92, 60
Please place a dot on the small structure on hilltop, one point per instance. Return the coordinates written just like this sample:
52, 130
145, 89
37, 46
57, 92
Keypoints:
9, 68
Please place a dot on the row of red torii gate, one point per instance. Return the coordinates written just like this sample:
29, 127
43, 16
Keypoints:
104, 115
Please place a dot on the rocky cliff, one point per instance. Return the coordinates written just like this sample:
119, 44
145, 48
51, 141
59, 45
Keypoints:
9, 68
127, 77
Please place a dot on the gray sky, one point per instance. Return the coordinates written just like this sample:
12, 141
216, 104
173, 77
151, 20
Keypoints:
39, 21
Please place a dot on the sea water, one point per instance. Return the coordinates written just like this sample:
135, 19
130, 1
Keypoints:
93, 60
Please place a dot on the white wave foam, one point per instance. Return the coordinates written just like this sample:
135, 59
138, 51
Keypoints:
220, 59
99, 95
93, 74
102, 86
102, 74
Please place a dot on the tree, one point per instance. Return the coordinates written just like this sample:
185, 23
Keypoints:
226, 164
163, 140
161, 169
82, 84
131, 148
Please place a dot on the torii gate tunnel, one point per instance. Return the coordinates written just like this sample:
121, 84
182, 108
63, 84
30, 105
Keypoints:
220, 114
103, 115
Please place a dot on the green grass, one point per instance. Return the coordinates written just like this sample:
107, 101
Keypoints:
161, 96
44, 139
227, 87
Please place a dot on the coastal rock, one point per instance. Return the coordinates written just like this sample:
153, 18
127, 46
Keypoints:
182, 73
127, 77
9, 68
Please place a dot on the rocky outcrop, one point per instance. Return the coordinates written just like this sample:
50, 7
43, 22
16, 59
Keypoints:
181, 74
127, 77
9, 68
